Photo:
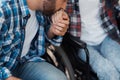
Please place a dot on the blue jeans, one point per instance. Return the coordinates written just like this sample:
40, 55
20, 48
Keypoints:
104, 59
38, 71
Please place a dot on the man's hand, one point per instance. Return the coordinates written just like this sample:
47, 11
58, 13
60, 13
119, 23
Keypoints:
60, 23
13, 78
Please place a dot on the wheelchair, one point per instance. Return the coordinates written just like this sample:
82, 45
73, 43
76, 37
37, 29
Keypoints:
66, 59
57, 57
81, 68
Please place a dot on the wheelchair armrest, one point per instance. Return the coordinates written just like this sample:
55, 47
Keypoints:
75, 41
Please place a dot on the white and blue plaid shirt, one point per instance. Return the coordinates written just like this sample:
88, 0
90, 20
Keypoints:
14, 15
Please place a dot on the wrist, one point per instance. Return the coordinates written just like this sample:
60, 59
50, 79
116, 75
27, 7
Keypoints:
50, 33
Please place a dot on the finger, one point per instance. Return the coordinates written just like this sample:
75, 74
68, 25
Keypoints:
61, 26
61, 29
65, 15
53, 18
66, 22
58, 16
59, 33
57, 30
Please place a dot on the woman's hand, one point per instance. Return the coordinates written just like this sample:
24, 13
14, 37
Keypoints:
60, 23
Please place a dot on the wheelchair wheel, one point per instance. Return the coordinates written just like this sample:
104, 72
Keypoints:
58, 58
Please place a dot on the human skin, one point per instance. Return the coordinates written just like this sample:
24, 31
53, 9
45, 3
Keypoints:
60, 20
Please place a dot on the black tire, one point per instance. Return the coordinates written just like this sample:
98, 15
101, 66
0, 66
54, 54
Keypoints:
63, 62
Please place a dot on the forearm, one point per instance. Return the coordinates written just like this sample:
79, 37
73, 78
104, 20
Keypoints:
50, 34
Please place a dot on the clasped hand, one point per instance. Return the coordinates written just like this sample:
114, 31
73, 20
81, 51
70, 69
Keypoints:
60, 23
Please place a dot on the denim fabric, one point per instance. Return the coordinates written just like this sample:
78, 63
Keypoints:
104, 59
14, 15
39, 71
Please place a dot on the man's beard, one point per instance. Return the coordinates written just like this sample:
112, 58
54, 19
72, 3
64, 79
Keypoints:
48, 8
48, 12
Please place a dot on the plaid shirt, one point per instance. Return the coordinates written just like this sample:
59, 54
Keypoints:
107, 16
14, 15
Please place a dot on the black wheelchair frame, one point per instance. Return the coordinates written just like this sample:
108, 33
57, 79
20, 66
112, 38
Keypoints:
66, 59
81, 68
57, 57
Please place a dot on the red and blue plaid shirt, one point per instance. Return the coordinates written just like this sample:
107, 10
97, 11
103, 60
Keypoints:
107, 15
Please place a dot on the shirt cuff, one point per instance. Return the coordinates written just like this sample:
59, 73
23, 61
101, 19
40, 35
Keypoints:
55, 41
4, 73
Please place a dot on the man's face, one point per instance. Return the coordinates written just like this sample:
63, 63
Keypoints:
50, 7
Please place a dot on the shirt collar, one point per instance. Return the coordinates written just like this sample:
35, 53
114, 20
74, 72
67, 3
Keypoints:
24, 8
